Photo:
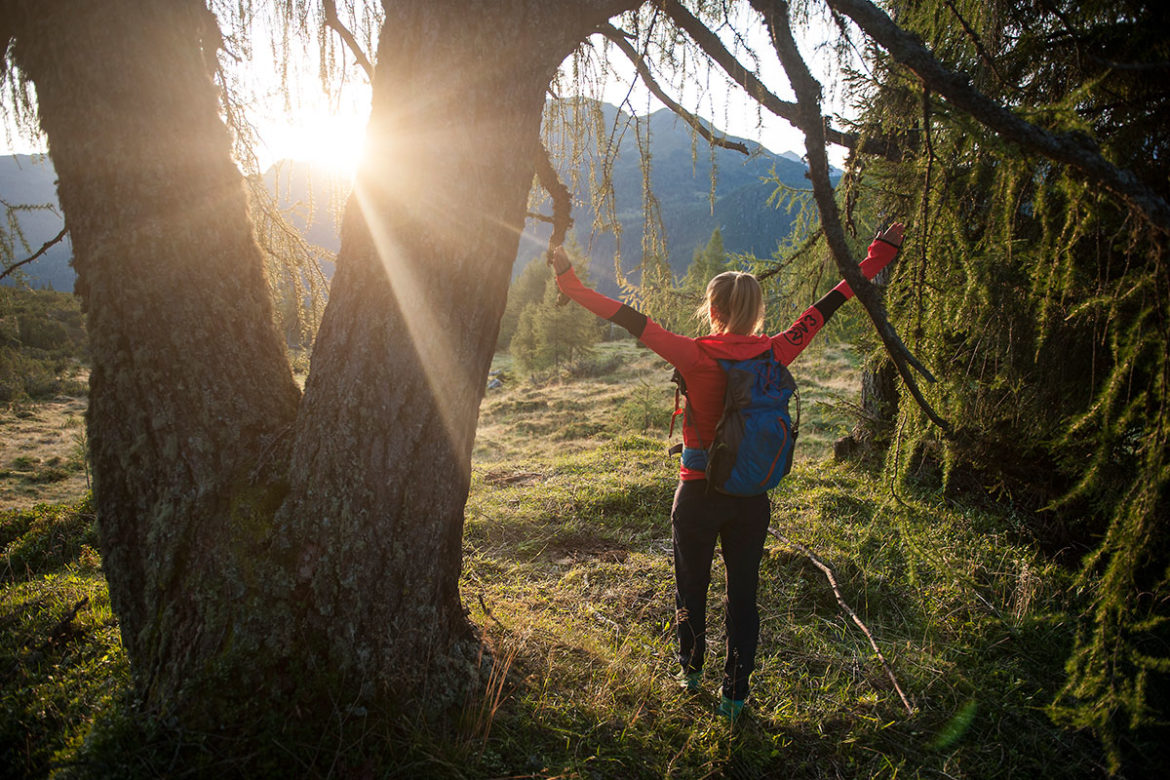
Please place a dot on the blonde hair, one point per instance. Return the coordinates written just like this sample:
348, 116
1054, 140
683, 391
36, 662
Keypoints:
734, 303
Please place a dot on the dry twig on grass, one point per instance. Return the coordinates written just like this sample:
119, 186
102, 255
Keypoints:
828, 572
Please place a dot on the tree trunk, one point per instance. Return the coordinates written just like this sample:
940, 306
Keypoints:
190, 381
381, 462
348, 579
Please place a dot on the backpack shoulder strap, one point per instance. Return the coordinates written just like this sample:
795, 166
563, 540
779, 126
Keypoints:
681, 406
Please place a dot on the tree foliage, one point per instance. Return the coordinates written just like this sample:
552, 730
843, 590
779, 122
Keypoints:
1045, 302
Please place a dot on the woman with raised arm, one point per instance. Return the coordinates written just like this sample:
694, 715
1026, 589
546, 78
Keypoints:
734, 307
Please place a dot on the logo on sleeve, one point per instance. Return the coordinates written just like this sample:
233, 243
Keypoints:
799, 332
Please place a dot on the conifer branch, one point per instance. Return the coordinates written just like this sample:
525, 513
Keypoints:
1076, 150
562, 216
811, 123
804, 247
619, 39
976, 41
711, 45
828, 572
332, 20
44, 248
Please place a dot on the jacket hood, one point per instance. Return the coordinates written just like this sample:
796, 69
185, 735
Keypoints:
732, 346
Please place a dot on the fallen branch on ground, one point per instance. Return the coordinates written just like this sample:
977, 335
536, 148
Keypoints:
828, 572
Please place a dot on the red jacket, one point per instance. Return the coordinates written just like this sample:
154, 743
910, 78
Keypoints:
696, 358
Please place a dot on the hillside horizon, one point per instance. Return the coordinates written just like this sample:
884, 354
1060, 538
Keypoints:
692, 207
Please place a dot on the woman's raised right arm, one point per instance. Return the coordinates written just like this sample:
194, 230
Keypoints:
882, 250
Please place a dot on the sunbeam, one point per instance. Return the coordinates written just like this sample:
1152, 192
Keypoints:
451, 382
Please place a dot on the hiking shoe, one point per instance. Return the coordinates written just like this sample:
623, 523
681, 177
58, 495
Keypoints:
730, 708
691, 681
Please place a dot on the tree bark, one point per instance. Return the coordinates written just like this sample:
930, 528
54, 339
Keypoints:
260, 546
190, 381
381, 462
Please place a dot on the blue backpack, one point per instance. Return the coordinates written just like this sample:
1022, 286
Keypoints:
755, 437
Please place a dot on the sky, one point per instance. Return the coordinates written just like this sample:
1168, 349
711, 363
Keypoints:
332, 134
329, 130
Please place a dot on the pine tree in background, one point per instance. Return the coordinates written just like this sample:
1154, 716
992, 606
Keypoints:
708, 262
548, 334
527, 288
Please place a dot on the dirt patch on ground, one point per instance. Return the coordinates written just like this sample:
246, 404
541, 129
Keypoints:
42, 453
574, 548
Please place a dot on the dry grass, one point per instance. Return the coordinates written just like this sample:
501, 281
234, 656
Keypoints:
558, 414
567, 570
42, 450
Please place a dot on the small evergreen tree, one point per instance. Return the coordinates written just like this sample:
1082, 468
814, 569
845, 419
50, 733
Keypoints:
527, 288
706, 264
525, 345
549, 334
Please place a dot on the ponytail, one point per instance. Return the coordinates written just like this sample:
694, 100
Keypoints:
734, 303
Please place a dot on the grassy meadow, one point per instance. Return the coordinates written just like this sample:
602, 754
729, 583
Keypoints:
567, 571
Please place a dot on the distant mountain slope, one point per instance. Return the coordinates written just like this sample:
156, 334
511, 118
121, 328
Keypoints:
680, 176
680, 173
30, 181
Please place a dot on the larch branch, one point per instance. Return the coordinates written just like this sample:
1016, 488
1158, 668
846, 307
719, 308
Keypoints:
811, 123
332, 20
562, 216
804, 247
711, 45
1073, 149
619, 39
828, 572
44, 248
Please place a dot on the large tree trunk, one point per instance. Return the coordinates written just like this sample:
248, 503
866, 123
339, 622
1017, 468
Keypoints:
381, 463
216, 565
190, 380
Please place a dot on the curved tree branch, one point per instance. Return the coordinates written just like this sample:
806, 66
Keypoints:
44, 248
1072, 149
332, 20
562, 216
711, 45
810, 121
562, 205
619, 39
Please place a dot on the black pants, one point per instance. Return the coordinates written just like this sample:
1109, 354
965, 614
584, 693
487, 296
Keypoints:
698, 518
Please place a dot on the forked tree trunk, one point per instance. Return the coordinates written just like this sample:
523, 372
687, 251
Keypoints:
223, 555
381, 464
190, 380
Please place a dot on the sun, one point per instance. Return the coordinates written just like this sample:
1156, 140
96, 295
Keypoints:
330, 142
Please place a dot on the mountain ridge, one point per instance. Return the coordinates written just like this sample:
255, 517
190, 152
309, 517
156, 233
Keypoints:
692, 199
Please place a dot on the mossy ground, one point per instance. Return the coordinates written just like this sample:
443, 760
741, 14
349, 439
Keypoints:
567, 571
